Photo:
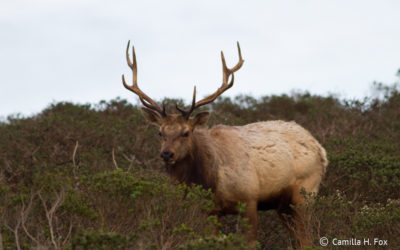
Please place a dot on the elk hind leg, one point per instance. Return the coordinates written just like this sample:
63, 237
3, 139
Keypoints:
295, 218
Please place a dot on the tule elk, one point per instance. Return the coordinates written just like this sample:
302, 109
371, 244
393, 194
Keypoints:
264, 165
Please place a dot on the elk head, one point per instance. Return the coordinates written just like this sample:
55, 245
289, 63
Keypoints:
176, 130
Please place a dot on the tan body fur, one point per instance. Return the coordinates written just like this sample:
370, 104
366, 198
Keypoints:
259, 160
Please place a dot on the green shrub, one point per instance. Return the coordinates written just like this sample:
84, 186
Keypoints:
226, 242
98, 240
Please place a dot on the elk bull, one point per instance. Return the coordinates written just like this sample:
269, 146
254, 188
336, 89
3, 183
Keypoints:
264, 164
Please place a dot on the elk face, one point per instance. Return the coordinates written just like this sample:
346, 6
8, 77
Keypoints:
176, 133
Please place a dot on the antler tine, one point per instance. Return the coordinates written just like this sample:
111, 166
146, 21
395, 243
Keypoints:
186, 113
229, 71
130, 64
146, 100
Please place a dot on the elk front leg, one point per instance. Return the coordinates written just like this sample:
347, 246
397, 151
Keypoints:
252, 216
218, 214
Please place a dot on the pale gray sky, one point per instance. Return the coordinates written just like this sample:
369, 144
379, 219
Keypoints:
73, 50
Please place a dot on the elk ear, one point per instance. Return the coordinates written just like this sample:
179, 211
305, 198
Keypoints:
151, 116
200, 119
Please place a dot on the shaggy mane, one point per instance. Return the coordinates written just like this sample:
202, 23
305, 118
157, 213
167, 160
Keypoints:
201, 166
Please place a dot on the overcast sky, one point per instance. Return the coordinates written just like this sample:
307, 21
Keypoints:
74, 50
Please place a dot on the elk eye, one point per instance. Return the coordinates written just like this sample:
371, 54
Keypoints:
186, 134
159, 133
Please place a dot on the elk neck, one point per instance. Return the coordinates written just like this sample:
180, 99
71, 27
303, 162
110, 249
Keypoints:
200, 166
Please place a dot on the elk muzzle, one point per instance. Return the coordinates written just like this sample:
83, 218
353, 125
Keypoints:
167, 156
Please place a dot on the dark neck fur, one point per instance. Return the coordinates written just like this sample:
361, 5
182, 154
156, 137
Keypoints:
198, 168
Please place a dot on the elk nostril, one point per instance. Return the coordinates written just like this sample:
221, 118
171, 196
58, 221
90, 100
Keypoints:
167, 155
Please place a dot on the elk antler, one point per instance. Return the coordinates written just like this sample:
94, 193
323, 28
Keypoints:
225, 85
146, 100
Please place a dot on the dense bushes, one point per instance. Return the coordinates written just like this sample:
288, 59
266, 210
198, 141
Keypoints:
89, 177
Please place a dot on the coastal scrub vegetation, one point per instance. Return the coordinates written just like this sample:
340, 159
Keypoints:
89, 176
